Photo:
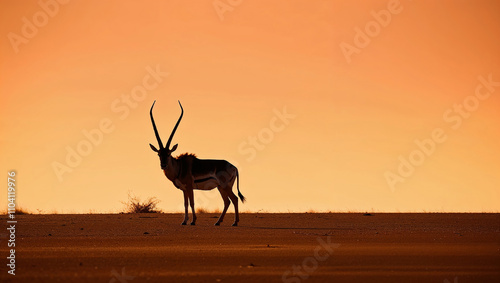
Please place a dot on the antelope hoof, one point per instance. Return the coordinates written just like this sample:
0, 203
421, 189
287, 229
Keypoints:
183, 223
217, 224
192, 223
235, 224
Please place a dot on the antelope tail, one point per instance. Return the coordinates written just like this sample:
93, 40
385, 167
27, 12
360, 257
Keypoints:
238, 186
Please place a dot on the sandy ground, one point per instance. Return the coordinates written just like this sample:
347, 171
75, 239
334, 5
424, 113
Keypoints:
306, 247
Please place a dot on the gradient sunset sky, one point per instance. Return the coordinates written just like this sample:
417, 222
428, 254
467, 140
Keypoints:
361, 82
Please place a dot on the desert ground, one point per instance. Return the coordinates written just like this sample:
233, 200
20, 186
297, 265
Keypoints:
305, 247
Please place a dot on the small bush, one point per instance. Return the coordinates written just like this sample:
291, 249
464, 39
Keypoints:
134, 205
202, 210
21, 211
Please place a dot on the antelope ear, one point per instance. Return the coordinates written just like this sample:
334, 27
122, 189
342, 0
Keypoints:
153, 148
174, 148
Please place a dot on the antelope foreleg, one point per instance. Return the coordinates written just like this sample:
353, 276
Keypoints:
191, 202
186, 217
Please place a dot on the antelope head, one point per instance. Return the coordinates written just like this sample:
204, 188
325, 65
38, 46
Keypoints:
165, 153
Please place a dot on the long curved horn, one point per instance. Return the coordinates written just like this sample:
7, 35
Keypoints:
154, 126
175, 128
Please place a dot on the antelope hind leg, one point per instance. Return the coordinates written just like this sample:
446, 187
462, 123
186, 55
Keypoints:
226, 200
234, 199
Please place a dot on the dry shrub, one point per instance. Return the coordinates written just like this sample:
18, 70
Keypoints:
134, 205
20, 211
202, 210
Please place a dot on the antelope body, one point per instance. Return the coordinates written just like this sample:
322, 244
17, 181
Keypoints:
189, 173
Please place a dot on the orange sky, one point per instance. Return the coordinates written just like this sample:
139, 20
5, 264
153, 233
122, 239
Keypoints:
354, 116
